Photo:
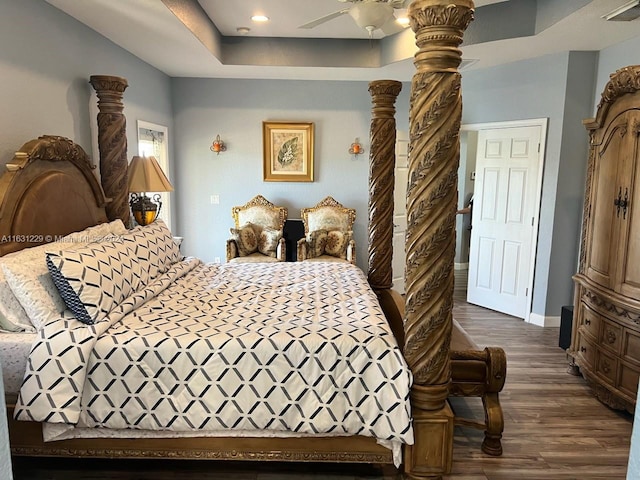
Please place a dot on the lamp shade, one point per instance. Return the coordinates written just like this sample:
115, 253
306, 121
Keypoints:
145, 175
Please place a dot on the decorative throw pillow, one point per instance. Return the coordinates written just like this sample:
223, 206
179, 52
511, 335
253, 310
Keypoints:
317, 241
268, 241
337, 243
94, 279
246, 240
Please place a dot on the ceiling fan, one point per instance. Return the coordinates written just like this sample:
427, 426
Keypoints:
368, 14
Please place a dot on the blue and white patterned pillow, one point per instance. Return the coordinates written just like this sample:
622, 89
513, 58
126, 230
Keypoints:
154, 247
94, 279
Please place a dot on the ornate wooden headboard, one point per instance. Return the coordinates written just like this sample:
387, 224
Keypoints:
48, 190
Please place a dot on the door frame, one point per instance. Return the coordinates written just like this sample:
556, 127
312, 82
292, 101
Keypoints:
533, 122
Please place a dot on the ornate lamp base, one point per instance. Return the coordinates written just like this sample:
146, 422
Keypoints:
144, 210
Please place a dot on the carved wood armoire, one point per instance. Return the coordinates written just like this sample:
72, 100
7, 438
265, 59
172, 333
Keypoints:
605, 341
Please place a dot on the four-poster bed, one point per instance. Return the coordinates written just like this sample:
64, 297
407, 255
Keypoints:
422, 323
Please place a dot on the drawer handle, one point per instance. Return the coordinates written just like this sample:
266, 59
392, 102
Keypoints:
583, 349
611, 336
587, 321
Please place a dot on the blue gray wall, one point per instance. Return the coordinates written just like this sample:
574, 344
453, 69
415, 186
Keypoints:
235, 110
46, 59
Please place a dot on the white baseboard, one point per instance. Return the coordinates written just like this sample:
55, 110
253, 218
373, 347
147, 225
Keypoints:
544, 321
461, 266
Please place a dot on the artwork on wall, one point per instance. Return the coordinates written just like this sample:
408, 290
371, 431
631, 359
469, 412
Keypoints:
288, 151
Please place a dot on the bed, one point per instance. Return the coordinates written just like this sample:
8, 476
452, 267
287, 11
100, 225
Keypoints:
31, 202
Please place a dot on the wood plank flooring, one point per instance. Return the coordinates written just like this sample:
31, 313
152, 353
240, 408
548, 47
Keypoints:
554, 428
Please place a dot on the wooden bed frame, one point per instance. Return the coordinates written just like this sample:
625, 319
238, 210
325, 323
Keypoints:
422, 320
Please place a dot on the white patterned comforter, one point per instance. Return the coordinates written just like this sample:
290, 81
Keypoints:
291, 347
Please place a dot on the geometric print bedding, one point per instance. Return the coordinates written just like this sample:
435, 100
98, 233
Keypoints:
286, 347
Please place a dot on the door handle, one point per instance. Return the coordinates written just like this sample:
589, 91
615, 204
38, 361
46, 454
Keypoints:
622, 203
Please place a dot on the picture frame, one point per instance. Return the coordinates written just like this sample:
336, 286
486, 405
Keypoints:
288, 151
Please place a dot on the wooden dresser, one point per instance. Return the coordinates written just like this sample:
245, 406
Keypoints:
605, 341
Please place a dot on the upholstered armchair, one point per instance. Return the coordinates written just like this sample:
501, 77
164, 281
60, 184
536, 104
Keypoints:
257, 236
328, 230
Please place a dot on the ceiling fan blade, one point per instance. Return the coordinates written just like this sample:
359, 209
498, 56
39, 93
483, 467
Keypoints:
324, 19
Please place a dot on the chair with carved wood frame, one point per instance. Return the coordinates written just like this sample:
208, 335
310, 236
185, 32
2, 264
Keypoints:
328, 230
257, 236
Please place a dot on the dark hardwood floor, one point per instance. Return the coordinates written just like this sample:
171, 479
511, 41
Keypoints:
554, 428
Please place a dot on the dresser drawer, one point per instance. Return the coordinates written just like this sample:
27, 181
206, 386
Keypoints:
631, 346
586, 350
589, 321
629, 376
611, 335
607, 367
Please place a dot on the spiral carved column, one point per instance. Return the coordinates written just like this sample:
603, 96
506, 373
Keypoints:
434, 152
112, 143
381, 181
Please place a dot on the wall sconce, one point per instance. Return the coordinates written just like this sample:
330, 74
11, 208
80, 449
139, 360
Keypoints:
218, 145
356, 148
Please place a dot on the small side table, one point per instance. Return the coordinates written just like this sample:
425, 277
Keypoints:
293, 231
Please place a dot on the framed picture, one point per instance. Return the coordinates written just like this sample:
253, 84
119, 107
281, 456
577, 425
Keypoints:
288, 151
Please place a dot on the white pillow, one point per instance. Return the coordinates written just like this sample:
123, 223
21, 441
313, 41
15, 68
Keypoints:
154, 247
28, 295
11, 309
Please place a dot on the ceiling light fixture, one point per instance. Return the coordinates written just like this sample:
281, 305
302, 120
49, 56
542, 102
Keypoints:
371, 15
243, 30
624, 13
260, 18
403, 21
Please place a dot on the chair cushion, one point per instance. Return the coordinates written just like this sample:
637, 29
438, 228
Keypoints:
246, 239
333, 243
317, 241
337, 243
268, 239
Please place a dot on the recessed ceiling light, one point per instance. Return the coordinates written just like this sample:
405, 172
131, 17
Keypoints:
260, 18
403, 20
243, 30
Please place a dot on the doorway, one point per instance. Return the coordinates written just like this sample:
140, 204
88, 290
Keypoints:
506, 209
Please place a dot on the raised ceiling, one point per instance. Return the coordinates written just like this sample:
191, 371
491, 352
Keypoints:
189, 38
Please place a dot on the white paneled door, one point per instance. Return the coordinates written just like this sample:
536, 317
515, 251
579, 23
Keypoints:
504, 219
400, 209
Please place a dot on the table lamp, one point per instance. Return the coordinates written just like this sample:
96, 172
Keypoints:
145, 175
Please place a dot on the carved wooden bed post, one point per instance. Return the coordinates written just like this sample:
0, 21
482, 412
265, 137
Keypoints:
112, 143
381, 181
434, 124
